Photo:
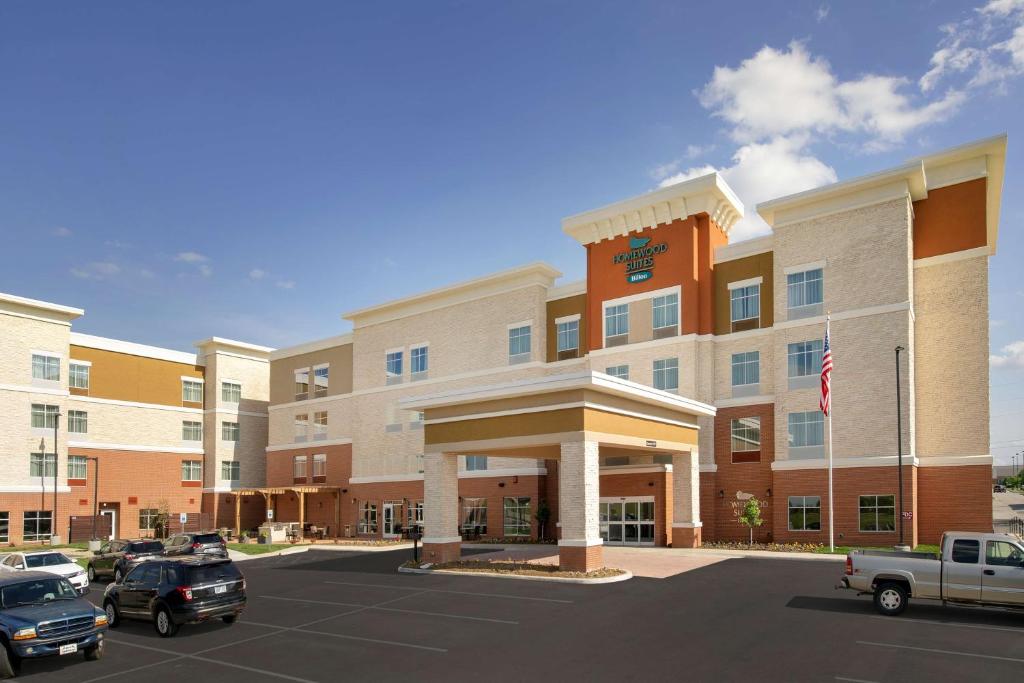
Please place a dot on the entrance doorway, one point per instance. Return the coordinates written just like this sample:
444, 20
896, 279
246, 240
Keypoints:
112, 514
627, 520
392, 518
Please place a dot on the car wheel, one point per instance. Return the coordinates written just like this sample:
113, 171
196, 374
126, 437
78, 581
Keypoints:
230, 619
891, 599
6, 663
118, 575
95, 652
113, 618
165, 626
91, 571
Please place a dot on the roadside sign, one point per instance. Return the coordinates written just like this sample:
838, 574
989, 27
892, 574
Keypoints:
183, 517
270, 515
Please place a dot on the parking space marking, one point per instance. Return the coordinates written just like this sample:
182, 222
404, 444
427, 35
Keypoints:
133, 670
439, 590
983, 627
396, 609
854, 680
395, 643
214, 661
942, 652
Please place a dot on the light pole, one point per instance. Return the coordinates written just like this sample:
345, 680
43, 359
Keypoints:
54, 537
899, 447
95, 495
42, 480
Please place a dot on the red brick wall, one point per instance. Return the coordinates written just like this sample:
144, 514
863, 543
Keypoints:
708, 504
753, 478
954, 499
339, 464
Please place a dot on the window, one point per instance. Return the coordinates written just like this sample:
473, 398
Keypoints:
299, 468
877, 513
191, 431
230, 470
1002, 554
568, 335
806, 429
805, 359
616, 325
191, 470
5, 527
229, 431
319, 468
78, 467
301, 426
620, 371
44, 416
36, 465
474, 515
46, 367
368, 518
745, 303
302, 384
321, 380
476, 463
191, 391
746, 439
148, 517
320, 424
516, 517
38, 525
518, 344
804, 513
418, 362
666, 311
805, 293
230, 392
78, 376
78, 422
666, 374
746, 368
416, 514
966, 552
393, 366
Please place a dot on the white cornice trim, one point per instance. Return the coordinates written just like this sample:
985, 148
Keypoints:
641, 346
132, 349
29, 488
235, 412
312, 347
843, 463
745, 283
738, 250
135, 404
634, 469
134, 447
34, 390
38, 318
47, 311
953, 460
568, 318
218, 344
745, 401
951, 257
802, 267
306, 445
561, 406
497, 474
385, 479
568, 289
845, 315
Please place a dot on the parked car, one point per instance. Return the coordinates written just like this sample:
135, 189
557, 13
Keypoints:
970, 569
998, 488
207, 543
51, 562
115, 558
42, 615
177, 590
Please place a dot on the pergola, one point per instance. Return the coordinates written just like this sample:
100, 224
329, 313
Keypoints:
268, 494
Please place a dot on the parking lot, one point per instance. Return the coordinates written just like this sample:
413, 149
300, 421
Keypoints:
329, 615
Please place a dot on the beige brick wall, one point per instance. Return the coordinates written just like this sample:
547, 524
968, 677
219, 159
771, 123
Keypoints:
578, 491
133, 425
723, 351
250, 414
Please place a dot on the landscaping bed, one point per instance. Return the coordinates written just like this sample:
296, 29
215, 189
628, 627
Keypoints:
801, 547
515, 568
259, 548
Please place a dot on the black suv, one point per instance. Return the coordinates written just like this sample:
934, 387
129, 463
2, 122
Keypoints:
115, 558
175, 591
207, 543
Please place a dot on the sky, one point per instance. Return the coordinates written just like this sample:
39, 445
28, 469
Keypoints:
252, 170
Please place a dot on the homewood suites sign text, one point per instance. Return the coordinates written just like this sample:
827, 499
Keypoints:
639, 259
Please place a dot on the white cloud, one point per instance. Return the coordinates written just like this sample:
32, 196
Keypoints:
1011, 356
822, 13
285, 284
257, 274
988, 45
191, 257
62, 232
96, 270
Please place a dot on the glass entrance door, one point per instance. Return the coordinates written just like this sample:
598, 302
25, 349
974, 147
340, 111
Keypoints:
628, 521
392, 519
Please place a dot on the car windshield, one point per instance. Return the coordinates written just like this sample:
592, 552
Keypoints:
207, 538
36, 592
213, 573
147, 547
46, 560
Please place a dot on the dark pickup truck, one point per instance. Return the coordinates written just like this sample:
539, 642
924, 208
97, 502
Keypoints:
42, 615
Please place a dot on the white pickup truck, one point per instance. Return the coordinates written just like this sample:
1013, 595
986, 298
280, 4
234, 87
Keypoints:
971, 568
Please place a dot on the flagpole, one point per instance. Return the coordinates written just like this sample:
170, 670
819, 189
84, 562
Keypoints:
831, 506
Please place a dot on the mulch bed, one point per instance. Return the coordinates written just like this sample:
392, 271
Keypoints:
520, 568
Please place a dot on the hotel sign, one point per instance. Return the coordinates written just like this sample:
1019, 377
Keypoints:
639, 259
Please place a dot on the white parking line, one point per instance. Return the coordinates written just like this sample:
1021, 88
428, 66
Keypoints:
395, 609
348, 637
854, 680
942, 652
438, 590
983, 627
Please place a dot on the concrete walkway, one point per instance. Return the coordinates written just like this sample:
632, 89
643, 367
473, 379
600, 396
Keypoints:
1006, 506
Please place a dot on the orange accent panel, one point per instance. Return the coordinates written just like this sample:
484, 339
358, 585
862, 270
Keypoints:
950, 219
124, 377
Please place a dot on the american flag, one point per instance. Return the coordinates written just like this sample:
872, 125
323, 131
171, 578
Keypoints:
826, 373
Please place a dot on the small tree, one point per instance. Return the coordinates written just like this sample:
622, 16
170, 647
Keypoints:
542, 515
750, 516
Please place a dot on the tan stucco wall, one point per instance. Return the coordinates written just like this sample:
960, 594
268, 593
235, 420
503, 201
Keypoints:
282, 372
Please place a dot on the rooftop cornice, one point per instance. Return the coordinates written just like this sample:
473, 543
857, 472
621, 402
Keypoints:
708, 194
313, 346
132, 349
41, 309
737, 250
568, 289
218, 344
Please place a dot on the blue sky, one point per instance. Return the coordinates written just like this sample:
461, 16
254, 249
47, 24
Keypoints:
252, 169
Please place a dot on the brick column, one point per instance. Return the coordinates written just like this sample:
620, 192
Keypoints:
441, 539
686, 524
579, 548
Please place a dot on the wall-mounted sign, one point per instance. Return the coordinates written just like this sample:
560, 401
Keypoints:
639, 259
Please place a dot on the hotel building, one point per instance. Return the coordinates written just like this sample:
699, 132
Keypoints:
640, 406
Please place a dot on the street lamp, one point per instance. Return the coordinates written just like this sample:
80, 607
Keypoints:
54, 538
95, 495
42, 479
899, 447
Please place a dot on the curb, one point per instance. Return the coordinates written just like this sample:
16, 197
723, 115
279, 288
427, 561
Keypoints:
551, 579
769, 555
239, 556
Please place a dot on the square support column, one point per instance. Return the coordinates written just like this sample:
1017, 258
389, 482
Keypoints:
578, 507
686, 524
441, 539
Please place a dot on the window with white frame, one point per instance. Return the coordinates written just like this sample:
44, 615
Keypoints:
321, 380
368, 518
78, 375
393, 366
301, 427
567, 335
191, 470
191, 391
476, 463
319, 467
301, 384
804, 513
878, 513
229, 431
516, 516
418, 361
665, 311
230, 392
518, 344
191, 430
44, 416
416, 514
805, 293
78, 422
46, 367
299, 468
474, 515
746, 439
616, 324
746, 368
38, 525
148, 517
804, 363
666, 374
806, 429
42, 465
78, 467
5, 527
230, 470
745, 303
320, 424
620, 371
